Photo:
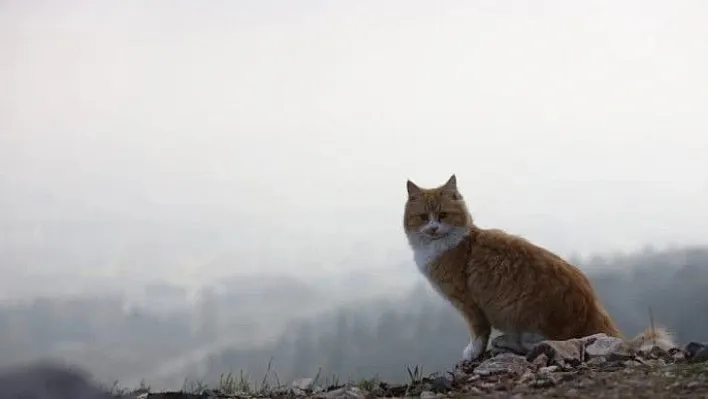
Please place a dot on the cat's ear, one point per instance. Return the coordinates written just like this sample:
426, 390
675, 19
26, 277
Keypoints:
413, 190
451, 183
451, 187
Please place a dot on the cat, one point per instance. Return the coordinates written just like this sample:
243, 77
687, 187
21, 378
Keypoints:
502, 281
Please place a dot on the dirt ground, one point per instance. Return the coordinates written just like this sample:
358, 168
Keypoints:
682, 380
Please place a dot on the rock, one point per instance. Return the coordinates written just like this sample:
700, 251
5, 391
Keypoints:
548, 369
488, 386
631, 363
655, 352
458, 375
505, 363
429, 395
518, 344
568, 353
347, 392
217, 394
506, 343
540, 360
304, 384
178, 395
596, 361
697, 351
393, 390
474, 378
285, 391
441, 384
605, 345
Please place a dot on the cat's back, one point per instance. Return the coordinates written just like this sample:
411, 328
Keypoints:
497, 247
523, 286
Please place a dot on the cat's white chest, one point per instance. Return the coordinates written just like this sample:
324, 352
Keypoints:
426, 253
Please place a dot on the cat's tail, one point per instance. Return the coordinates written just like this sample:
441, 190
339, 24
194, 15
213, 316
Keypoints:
653, 336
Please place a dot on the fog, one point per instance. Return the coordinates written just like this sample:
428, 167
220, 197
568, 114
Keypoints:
153, 153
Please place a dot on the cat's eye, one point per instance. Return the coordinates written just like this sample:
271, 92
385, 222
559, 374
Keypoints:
442, 215
423, 217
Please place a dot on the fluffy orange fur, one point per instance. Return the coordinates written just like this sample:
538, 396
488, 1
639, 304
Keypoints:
502, 281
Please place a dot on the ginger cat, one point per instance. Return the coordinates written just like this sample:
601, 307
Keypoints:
502, 281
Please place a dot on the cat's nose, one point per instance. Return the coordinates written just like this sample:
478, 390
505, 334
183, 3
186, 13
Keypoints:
433, 229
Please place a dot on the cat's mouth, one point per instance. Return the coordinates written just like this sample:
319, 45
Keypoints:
435, 236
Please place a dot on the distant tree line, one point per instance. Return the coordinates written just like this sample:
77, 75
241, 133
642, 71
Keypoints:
381, 338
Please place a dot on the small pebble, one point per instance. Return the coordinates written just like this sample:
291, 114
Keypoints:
549, 369
428, 395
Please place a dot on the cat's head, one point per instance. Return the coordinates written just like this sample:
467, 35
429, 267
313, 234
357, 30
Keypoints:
434, 213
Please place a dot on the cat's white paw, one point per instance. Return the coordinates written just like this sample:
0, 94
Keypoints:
474, 349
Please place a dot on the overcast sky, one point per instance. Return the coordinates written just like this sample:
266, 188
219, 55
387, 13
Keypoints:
581, 125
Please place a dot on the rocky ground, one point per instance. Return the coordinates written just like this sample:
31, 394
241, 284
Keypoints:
597, 366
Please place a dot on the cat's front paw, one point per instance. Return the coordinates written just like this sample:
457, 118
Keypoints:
474, 349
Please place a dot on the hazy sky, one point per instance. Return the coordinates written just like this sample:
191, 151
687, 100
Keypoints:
581, 125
